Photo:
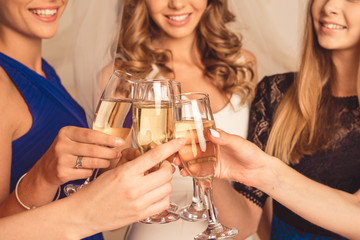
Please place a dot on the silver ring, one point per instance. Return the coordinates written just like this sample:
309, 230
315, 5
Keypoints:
78, 162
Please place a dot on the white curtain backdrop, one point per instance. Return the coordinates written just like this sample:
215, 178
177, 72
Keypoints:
86, 40
272, 31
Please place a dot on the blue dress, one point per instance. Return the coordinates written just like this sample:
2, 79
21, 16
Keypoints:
51, 108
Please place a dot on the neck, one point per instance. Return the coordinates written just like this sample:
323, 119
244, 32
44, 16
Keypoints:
22, 48
346, 64
184, 50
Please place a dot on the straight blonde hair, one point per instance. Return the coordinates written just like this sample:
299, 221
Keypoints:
300, 126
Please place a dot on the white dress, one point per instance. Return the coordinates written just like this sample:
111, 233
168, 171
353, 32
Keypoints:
234, 119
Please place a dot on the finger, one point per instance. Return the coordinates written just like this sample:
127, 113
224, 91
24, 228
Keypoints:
190, 135
94, 151
223, 138
172, 167
194, 151
184, 173
155, 208
156, 155
85, 135
156, 195
80, 173
89, 162
177, 161
153, 180
127, 155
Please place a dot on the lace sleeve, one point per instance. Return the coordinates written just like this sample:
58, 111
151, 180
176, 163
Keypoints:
269, 92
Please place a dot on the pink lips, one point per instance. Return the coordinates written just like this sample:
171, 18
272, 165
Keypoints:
178, 20
40, 13
331, 27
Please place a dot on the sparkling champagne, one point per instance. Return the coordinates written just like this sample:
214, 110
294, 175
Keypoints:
199, 155
153, 124
111, 117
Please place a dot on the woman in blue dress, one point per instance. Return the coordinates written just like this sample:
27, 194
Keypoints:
43, 130
309, 124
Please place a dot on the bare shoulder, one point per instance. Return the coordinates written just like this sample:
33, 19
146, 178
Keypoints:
248, 56
7, 129
13, 108
6, 88
7, 94
250, 59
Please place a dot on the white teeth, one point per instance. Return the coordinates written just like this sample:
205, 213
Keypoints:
179, 18
333, 26
44, 12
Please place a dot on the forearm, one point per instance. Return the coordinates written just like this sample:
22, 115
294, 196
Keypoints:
235, 210
31, 192
326, 207
57, 220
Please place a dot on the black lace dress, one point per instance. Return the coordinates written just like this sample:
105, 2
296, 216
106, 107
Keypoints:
337, 167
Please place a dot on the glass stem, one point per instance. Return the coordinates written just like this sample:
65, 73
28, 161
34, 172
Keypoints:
206, 186
196, 194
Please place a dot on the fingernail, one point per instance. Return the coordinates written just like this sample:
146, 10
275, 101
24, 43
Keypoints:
214, 133
119, 141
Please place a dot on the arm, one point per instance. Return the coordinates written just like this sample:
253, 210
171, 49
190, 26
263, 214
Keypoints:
242, 161
234, 209
56, 166
115, 199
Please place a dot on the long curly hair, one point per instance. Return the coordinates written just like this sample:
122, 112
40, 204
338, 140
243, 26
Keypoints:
302, 123
220, 48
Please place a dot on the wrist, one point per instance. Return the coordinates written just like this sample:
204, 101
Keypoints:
69, 214
269, 175
80, 213
32, 191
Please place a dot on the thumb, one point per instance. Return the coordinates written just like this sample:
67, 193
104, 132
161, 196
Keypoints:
222, 138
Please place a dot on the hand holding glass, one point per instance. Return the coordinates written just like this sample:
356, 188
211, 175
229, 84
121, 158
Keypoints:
113, 113
199, 156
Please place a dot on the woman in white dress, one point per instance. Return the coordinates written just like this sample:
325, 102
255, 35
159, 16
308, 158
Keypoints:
190, 42
86, 42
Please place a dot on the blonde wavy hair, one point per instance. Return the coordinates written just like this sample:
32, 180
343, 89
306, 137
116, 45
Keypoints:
301, 123
220, 48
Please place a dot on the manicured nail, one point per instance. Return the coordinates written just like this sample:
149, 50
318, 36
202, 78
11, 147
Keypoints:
214, 133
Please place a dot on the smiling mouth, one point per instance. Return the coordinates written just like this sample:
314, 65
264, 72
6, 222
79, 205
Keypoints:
178, 18
332, 26
44, 12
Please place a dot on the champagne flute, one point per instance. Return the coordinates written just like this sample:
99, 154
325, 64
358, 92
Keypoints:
199, 156
153, 124
196, 210
113, 114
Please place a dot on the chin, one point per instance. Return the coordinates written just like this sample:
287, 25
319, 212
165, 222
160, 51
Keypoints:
47, 34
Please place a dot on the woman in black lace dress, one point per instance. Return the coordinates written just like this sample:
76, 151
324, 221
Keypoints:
311, 121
